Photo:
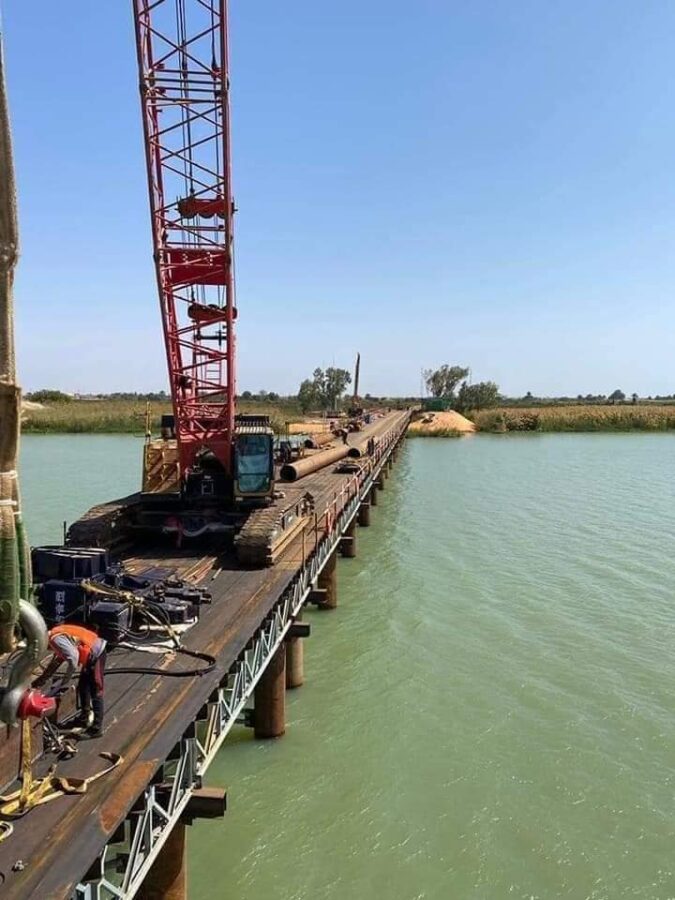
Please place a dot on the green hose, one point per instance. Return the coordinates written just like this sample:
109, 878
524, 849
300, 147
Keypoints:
9, 585
23, 554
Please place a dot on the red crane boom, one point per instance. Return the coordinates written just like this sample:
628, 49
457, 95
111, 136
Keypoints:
183, 63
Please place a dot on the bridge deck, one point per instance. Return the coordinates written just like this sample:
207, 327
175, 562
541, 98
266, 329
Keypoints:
146, 715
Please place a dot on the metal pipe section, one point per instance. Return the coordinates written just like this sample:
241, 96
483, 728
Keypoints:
18, 684
296, 470
315, 441
360, 448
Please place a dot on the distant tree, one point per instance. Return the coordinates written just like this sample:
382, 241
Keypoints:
616, 395
443, 381
49, 396
247, 395
634, 398
272, 397
307, 396
477, 396
325, 388
336, 382
528, 396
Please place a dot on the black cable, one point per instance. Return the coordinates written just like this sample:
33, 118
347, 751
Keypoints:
187, 673
155, 609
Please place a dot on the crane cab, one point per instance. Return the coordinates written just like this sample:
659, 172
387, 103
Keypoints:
253, 459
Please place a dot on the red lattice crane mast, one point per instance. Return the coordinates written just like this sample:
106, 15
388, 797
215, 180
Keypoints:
183, 63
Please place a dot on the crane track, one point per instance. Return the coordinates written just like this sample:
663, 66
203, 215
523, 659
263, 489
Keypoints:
261, 540
105, 525
268, 532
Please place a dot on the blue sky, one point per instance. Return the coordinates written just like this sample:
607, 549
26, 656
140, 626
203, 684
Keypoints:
486, 183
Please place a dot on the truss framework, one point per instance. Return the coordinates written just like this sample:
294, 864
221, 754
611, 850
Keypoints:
183, 64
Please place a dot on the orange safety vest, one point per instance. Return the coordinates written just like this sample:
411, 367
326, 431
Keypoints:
84, 639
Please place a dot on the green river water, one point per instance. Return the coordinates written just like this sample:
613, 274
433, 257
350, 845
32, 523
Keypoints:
490, 711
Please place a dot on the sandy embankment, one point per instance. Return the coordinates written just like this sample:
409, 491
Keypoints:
29, 406
311, 426
440, 422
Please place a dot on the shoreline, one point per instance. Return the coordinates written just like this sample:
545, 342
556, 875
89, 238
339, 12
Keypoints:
128, 417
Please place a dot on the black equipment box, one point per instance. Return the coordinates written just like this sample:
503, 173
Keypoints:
68, 563
110, 620
62, 601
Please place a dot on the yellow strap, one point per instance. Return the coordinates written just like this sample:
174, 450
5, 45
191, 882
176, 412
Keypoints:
35, 792
26, 763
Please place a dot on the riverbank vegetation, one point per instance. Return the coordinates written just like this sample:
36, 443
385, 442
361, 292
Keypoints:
576, 418
49, 412
451, 389
116, 416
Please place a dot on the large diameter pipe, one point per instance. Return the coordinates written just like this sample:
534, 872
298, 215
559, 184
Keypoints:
314, 441
359, 449
296, 470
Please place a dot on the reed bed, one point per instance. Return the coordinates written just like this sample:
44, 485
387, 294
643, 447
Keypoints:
124, 416
577, 418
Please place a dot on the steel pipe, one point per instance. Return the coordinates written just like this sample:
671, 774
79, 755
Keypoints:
315, 441
294, 471
382, 428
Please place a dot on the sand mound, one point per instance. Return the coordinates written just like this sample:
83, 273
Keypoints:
434, 422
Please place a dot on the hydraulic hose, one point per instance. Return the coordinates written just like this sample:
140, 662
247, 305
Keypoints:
155, 613
167, 673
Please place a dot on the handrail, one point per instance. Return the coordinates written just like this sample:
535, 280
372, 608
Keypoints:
329, 517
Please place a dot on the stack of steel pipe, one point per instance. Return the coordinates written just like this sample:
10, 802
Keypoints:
310, 464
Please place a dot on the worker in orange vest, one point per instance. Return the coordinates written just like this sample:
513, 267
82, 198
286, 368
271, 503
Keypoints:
84, 649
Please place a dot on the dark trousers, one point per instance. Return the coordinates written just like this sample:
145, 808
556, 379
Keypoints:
90, 688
